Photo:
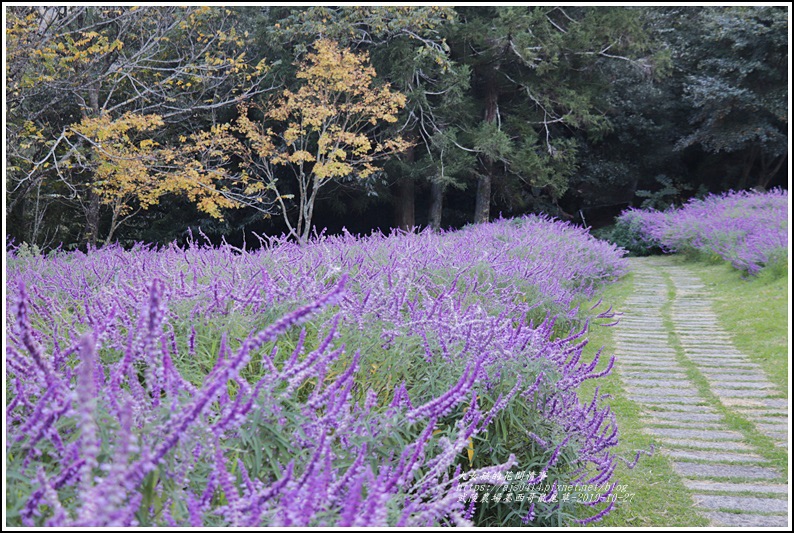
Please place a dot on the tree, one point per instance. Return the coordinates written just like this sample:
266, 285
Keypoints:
325, 130
407, 46
131, 171
538, 79
646, 112
738, 89
69, 66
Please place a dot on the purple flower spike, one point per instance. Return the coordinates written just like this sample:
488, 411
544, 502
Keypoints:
359, 415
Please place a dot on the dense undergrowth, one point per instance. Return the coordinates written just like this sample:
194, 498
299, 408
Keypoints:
380, 380
748, 229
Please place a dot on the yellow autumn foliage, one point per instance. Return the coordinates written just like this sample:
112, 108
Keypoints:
132, 171
328, 120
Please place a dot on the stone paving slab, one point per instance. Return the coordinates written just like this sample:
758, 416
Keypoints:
649, 342
717, 358
650, 356
703, 444
741, 384
711, 359
781, 427
716, 486
742, 503
635, 375
650, 364
721, 364
710, 351
663, 391
641, 341
706, 342
647, 337
650, 322
652, 400
742, 403
747, 520
775, 403
679, 424
683, 408
741, 393
686, 328
644, 351
725, 471
772, 414
713, 332
683, 384
715, 456
724, 365
732, 374
715, 342
695, 434
679, 374
629, 361
689, 408
685, 417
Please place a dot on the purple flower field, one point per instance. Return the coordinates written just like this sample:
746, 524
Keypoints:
748, 229
354, 381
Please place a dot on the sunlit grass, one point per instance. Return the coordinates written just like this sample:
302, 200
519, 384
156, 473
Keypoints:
754, 311
660, 498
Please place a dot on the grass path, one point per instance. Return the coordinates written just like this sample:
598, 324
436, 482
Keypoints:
696, 389
719, 425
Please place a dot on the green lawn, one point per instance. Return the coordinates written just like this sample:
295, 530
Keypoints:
660, 498
755, 312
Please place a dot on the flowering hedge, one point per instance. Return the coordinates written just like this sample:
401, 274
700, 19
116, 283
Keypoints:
352, 381
748, 229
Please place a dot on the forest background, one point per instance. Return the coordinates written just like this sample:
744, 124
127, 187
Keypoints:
149, 123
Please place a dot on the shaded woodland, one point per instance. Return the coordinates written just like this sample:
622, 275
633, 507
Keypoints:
147, 124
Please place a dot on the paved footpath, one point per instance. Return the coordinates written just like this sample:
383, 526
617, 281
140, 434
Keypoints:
732, 484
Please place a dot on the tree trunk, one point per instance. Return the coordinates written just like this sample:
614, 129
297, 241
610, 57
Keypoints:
404, 207
436, 204
747, 167
308, 209
769, 170
482, 206
91, 232
92, 206
17, 215
93, 99
114, 224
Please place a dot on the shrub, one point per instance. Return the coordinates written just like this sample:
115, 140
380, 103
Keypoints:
628, 233
353, 381
749, 229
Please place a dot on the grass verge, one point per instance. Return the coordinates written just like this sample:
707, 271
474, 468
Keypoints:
765, 446
754, 311
660, 498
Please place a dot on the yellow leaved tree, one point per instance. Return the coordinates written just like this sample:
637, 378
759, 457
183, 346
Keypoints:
92, 89
326, 129
131, 171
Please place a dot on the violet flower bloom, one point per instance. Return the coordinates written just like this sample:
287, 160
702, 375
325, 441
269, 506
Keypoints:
129, 326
